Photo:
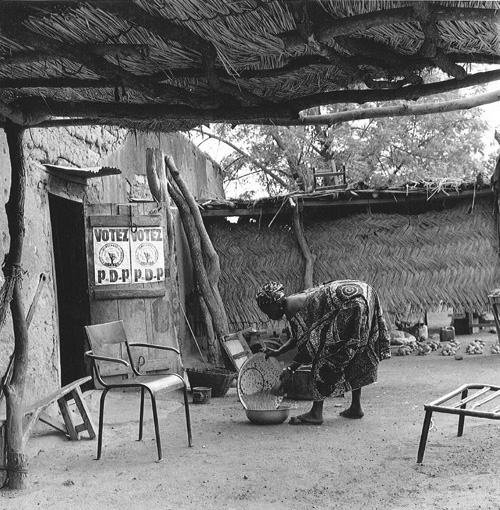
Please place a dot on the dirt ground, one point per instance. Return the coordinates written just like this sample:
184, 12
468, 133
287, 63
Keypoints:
234, 464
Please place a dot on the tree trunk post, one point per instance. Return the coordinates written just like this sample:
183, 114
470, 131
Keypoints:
204, 257
157, 180
17, 461
309, 257
217, 313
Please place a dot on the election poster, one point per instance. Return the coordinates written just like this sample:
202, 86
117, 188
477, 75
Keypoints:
148, 263
124, 255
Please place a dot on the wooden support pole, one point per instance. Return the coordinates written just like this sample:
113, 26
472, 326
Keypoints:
17, 461
309, 257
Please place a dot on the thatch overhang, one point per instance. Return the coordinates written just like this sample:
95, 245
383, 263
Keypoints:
421, 253
353, 198
175, 64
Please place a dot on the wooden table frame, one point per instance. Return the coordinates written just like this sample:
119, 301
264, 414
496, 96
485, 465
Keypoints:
486, 394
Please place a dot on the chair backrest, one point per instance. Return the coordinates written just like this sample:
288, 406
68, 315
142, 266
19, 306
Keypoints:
105, 334
108, 339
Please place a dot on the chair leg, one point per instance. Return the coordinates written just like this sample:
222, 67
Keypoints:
141, 415
188, 417
101, 423
423, 437
461, 418
157, 426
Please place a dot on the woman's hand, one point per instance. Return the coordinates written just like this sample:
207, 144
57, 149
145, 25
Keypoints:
282, 387
286, 376
270, 353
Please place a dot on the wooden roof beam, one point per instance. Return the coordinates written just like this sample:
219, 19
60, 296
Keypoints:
101, 83
115, 113
277, 114
125, 9
305, 61
349, 66
11, 27
98, 65
407, 93
286, 114
325, 32
157, 25
222, 86
293, 65
431, 44
380, 55
109, 50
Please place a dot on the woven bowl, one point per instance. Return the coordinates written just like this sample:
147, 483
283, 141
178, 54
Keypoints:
268, 416
217, 378
256, 376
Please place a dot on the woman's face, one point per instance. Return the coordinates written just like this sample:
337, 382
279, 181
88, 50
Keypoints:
275, 311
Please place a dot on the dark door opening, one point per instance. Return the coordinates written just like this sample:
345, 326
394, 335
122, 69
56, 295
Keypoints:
68, 238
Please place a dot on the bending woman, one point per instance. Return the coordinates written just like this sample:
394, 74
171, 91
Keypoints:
339, 328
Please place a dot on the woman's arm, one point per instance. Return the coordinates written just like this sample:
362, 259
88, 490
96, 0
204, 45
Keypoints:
287, 346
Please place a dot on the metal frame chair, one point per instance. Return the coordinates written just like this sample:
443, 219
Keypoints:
485, 393
112, 333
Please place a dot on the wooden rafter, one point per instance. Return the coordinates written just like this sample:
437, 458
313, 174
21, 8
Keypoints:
363, 22
150, 66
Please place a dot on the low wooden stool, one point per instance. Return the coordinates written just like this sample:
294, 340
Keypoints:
485, 394
36, 412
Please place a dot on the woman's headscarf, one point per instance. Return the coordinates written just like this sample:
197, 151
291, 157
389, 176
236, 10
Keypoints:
270, 293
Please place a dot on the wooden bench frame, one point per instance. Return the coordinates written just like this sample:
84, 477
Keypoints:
36, 411
485, 394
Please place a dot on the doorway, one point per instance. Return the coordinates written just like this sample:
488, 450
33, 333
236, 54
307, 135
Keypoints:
68, 239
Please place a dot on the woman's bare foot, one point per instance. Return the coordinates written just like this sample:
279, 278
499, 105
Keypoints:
305, 419
354, 414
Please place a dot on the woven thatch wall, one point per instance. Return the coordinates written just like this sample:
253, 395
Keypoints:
427, 260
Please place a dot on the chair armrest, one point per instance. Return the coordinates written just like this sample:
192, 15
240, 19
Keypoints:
90, 355
154, 346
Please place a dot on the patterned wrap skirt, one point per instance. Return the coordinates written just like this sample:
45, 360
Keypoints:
342, 332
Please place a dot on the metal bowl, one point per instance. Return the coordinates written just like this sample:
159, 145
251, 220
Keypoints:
268, 416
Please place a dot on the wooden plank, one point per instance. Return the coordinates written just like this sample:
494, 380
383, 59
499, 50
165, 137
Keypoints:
129, 292
328, 174
55, 395
52, 422
36, 411
138, 305
469, 398
237, 349
486, 399
386, 197
68, 419
133, 314
124, 220
3, 452
87, 424
100, 310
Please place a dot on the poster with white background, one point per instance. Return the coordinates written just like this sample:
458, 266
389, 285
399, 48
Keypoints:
111, 255
146, 246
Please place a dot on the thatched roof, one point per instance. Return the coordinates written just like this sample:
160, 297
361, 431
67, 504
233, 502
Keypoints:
356, 196
424, 255
175, 64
